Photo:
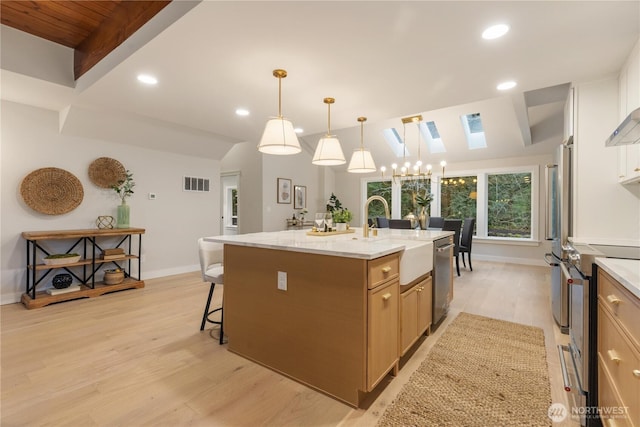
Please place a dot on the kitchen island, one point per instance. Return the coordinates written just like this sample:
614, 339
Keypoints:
323, 310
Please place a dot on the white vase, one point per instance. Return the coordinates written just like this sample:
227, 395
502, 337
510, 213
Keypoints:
341, 226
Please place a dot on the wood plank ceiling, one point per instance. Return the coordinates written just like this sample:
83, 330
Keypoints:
91, 28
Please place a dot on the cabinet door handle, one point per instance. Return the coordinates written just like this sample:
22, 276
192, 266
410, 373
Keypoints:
636, 170
636, 373
613, 356
386, 269
613, 299
385, 297
611, 422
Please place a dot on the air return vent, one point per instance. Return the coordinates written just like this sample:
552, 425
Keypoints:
192, 183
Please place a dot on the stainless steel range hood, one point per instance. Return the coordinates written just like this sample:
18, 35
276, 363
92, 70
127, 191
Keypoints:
628, 132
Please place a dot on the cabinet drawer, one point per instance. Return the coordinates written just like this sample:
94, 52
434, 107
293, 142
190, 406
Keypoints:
383, 269
621, 360
624, 305
612, 408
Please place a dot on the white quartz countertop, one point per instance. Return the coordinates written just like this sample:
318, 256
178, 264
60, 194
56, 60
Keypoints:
625, 271
351, 245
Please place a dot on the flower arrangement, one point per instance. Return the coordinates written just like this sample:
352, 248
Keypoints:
124, 187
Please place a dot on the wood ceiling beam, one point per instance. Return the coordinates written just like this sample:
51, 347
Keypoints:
125, 20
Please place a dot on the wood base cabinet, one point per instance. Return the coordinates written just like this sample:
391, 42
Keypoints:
618, 353
382, 351
415, 313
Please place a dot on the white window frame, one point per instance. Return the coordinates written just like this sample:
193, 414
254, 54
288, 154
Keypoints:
481, 202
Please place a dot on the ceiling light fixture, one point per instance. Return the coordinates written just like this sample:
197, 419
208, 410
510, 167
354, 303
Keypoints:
279, 137
495, 31
328, 152
407, 171
361, 159
506, 85
242, 112
147, 79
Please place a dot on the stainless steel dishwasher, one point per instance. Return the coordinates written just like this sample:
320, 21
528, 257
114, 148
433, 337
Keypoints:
442, 266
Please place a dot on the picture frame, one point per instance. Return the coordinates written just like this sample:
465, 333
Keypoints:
284, 191
299, 196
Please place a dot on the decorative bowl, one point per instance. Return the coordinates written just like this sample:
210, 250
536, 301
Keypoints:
113, 277
59, 259
62, 281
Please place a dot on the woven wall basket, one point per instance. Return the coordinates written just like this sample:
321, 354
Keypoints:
105, 172
51, 191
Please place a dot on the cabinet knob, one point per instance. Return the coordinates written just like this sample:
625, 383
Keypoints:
636, 170
386, 269
385, 297
613, 299
613, 356
636, 373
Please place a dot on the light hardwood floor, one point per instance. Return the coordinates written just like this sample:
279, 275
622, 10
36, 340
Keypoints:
137, 357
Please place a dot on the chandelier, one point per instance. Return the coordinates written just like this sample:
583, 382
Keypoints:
408, 171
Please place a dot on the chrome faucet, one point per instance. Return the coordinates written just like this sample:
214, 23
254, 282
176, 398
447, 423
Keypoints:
365, 227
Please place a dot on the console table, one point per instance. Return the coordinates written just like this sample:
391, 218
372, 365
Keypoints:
89, 244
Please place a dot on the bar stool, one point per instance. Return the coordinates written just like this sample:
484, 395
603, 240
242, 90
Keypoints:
211, 259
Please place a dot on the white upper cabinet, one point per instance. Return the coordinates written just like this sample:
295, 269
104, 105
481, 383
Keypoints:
629, 100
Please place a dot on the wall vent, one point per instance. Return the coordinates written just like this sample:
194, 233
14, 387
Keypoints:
192, 183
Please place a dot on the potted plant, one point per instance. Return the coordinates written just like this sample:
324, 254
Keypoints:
124, 188
342, 217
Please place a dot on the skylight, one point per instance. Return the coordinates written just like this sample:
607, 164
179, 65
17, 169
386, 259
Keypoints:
473, 130
397, 145
429, 132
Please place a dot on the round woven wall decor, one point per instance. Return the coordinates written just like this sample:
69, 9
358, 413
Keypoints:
105, 172
52, 191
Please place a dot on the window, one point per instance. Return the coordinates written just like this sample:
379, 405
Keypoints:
509, 205
397, 145
459, 197
430, 134
409, 193
378, 188
474, 131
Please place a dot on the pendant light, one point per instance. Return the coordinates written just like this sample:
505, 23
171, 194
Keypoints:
278, 136
361, 159
328, 152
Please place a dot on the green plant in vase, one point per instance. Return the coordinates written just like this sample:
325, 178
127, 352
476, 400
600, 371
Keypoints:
342, 216
124, 188
423, 201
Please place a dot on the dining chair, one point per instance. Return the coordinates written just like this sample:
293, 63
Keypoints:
435, 222
212, 268
454, 225
400, 223
466, 240
382, 222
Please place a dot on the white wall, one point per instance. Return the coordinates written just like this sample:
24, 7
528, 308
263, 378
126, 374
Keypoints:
173, 222
301, 171
604, 211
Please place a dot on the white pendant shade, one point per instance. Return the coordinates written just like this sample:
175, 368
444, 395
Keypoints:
361, 162
328, 152
279, 138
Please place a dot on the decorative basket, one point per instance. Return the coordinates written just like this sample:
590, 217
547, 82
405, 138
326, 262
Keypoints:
51, 191
113, 277
105, 172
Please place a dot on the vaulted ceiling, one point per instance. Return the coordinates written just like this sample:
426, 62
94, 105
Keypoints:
382, 60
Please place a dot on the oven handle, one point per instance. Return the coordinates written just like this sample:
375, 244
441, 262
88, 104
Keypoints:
563, 367
548, 258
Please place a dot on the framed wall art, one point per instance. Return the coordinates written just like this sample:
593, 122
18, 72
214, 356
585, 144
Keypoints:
299, 197
284, 190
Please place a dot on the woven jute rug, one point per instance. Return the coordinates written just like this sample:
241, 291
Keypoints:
480, 372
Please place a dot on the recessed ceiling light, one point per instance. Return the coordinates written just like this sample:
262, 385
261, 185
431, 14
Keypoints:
242, 112
506, 85
298, 130
147, 79
495, 31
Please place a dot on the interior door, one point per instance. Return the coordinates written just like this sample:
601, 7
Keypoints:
229, 195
